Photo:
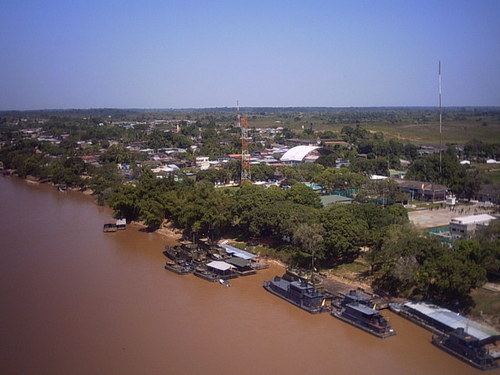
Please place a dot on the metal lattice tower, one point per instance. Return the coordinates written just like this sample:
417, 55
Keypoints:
245, 141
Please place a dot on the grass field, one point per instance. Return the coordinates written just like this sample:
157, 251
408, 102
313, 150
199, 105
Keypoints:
486, 130
490, 171
455, 132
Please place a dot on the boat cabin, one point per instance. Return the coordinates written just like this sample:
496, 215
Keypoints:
121, 224
242, 266
357, 296
469, 347
222, 269
109, 227
305, 292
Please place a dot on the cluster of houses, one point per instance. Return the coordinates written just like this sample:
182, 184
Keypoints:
164, 162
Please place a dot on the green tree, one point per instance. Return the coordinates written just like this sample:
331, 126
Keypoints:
309, 239
301, 194
344, 233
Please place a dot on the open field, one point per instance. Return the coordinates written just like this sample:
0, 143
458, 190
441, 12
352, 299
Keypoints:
454, 131
490, 171
439, 217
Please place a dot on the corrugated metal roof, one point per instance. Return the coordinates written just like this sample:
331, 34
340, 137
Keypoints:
452, 319
219, 265
239, 262
237, 252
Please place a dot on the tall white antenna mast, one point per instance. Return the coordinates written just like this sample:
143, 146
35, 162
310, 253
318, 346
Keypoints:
440, 123
238, 117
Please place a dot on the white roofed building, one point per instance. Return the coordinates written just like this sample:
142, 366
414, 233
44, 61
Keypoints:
301, 154
464, 226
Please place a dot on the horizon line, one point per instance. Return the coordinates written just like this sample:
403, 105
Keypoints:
241, 107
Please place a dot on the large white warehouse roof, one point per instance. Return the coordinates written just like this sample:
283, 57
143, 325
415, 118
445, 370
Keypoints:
298, 153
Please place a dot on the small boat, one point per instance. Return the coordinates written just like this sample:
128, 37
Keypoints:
365, 318
395, 307
465, 347
224, 282
109, 227
298, 293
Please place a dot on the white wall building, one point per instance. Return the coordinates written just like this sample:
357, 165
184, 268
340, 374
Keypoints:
203, 162
464, 226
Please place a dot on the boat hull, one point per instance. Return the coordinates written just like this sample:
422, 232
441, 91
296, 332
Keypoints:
382, 335
306, 308
178, 270
207, 277
438, 342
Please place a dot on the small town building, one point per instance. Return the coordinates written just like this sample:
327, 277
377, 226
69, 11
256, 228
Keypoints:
489, 193
464, 226
203, 162
378, 177
301, 154
420, 190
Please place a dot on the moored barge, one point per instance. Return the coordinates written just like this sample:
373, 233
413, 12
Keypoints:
109, 228
205, 274
179, 268
298, 293
466, 347
365, 318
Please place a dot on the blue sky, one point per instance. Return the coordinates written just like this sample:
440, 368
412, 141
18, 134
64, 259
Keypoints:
162, 54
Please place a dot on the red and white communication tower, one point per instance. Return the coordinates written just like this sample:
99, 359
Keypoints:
245, 141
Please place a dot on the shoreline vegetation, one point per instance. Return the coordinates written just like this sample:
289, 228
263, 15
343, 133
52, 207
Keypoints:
330, 278
185, 168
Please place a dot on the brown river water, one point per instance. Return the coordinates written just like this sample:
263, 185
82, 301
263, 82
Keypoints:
74, 300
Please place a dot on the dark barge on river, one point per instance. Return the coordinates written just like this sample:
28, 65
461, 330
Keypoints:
299, 293
467, 348
120, 224
355, 296
466, 339
109, 228
180, 268
363, 317
205, 274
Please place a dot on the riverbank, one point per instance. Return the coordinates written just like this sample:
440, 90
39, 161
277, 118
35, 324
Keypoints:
333, 280
76, 300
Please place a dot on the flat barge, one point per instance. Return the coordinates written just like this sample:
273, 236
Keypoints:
205, 275
466, 348
365, 318
298, 293
179, 268
109, 228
